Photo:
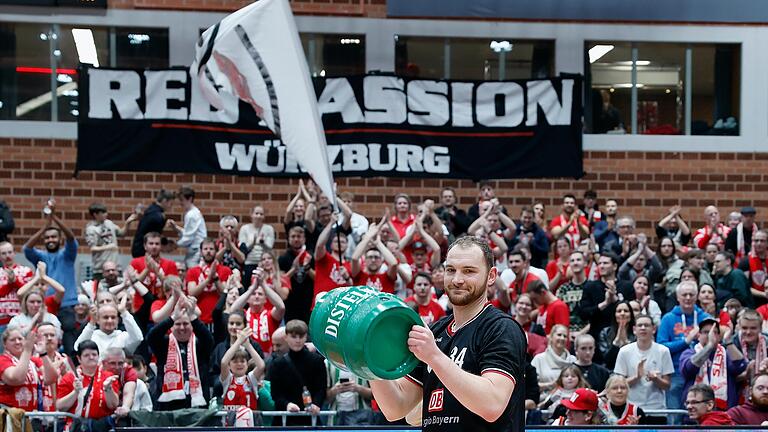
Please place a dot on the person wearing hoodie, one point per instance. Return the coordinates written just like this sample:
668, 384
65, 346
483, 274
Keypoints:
713, 363
152, 220
700, 404
755, 410
678, 329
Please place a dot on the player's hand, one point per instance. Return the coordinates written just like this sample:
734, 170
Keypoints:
422, 344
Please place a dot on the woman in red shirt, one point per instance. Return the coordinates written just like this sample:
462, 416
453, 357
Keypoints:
22, 375
98, 387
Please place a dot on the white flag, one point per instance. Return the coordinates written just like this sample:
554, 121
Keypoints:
255, 54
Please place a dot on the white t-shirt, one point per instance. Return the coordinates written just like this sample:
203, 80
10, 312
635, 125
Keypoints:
645, 393
508, 276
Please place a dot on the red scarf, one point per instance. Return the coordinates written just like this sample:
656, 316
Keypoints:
261, 327
715, 374
759, 357
84, 406
612, 419
758, 270
174, 387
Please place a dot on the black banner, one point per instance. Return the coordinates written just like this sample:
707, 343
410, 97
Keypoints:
375, 125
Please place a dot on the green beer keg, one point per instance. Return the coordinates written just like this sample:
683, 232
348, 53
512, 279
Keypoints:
364, 331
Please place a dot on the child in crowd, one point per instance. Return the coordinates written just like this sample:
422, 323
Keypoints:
569, 380
241, 385
142, 401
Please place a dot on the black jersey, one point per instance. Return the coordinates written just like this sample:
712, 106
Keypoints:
491, 342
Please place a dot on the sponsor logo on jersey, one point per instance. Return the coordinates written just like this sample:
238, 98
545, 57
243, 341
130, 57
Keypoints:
435, 401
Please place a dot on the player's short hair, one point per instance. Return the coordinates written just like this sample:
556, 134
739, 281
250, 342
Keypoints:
86, 345
537, 286
187, 192
750, 315
97, 207
296, 229
165, 195
152, 234
583, 338
467, 242
704, 390
228, 218
296, 327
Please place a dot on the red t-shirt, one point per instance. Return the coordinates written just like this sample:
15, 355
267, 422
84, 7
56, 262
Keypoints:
156, 306
763, 311
207, 299
379, 281
328, 275
401, 226
51, 305
553, 267
758, 271
725, 319
22, 396
263, 325
554, 313
9, 301
429, 313
96, 405
240, 391
518, 287
152, 282
572, 232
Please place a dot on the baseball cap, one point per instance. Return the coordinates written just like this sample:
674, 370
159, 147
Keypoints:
708, 320
419, 246
581, 400
748, 210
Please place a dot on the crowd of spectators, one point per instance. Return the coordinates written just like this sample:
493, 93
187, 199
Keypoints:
619, 324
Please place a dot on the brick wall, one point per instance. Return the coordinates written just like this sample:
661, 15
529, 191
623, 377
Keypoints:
645, 184
368, 8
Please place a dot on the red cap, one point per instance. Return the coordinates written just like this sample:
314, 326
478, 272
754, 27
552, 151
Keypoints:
581, 400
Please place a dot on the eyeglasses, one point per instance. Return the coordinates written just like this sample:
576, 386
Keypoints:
694, 402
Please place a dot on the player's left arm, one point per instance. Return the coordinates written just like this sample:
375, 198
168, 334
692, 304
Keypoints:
486, 395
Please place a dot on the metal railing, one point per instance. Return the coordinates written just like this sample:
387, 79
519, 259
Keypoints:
649, 412
285, 414
56, 415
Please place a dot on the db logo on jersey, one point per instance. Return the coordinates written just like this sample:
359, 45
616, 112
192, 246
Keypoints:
436, 401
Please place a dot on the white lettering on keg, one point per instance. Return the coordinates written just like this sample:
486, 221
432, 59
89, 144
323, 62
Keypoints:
338, 312
436, 400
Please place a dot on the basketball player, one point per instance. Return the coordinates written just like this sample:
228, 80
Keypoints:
470, 377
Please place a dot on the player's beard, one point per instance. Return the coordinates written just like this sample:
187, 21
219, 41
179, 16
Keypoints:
465, 296
761, 403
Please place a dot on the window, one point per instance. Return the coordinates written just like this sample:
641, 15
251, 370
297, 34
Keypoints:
39, 64
473, 59
334, 55
662, 88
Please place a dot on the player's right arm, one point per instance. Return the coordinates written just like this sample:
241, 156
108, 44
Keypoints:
396, 398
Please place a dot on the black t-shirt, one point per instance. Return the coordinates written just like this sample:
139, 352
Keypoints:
492, 342
298, 305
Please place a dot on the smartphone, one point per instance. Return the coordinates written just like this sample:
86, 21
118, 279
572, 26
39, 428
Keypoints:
343, 380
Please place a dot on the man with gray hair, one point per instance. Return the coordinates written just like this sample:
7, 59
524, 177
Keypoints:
228, 253
595, 374
678, 329
114, 361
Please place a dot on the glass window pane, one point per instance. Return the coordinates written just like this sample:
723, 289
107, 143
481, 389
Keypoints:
334, 55
716, 88
661, 88
25, 71
473, 59
660, 91
141, 48
70, 58
422, 57
610, 80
